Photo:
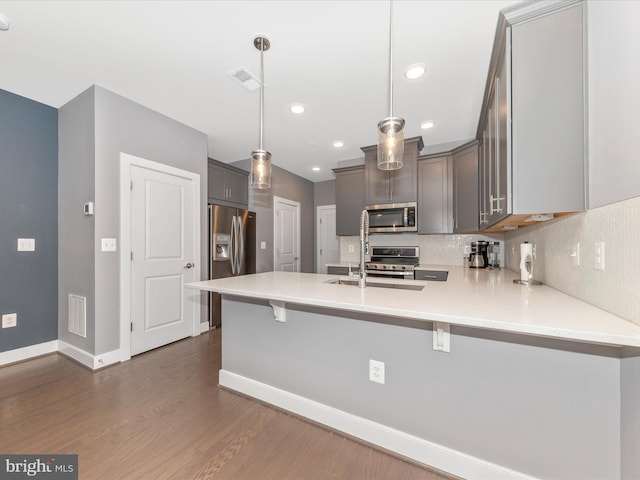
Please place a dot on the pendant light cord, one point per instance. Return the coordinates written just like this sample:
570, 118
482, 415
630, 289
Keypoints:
390, 58
261, 89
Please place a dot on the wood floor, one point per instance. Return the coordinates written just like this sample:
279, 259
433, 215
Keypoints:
163, 416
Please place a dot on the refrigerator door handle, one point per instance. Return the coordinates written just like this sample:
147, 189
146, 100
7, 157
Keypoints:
241, 242
232, 246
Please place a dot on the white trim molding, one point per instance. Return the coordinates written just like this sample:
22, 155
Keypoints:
26, 353
410, 446
93, 362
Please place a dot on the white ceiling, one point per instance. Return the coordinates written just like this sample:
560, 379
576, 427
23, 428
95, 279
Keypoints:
331, 56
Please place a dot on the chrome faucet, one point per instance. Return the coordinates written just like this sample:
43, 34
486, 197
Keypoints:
364, 247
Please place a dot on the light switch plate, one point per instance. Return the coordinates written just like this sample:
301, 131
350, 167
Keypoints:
263, 245
26, 244
109, 245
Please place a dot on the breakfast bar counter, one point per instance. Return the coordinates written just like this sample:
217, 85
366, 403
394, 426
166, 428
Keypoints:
476, 376
480, 298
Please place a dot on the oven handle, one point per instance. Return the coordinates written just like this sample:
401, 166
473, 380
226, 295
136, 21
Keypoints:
387, 273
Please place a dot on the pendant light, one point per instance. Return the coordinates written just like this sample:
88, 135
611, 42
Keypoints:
391, 129
260, 158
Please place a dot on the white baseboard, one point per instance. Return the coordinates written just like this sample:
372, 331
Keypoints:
94, 362
423, 451
204, 327
25, 353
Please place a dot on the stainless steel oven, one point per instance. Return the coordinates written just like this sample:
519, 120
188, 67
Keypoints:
393, 217
394, 262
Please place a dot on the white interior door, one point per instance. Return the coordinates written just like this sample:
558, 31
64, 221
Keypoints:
286, 232
327, 241
162, 258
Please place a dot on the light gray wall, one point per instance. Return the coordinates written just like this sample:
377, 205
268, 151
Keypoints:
28, 209
284, 184
76, 182
120, 126
547, 408
614, 76
324, 193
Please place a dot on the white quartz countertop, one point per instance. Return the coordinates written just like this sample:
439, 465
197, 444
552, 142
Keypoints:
478, 298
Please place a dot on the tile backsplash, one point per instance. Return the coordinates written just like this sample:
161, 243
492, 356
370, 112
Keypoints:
615, 288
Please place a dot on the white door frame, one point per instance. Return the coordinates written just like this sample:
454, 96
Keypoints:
276, 200
126, 162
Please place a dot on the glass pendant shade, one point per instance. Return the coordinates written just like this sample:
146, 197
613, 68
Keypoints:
391, 143
260, 169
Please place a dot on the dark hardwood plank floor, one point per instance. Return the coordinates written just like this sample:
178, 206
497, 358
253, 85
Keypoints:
163, 416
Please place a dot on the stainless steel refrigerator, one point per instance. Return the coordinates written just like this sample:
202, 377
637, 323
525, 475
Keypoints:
232, 249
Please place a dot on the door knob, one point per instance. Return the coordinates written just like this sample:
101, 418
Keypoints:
296, 258
190, 265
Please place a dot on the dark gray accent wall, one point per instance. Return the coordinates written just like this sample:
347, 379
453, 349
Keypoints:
544, 407
284, 184
119, 126
76, 181
28, 209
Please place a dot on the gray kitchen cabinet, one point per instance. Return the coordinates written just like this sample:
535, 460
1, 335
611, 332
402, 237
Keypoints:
227, 185
465, 188
392, 186
349, 199
532, 127
435, 194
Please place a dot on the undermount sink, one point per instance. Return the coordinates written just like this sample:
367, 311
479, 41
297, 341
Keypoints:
401, 286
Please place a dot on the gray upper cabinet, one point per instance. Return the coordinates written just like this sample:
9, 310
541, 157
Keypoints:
227, 185
465, 189
395, 186
349, 199
435, 194
532, 127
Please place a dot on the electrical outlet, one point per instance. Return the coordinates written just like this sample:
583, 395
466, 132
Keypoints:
598, 252
108, 244
352, 248
9, 320
263, 245
26, 245
376, 371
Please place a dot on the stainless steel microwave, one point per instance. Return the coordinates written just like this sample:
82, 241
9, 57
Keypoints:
394, 217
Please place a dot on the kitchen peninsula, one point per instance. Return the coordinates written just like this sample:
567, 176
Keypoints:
535, 382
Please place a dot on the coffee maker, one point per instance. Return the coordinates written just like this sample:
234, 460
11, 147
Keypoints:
478, 257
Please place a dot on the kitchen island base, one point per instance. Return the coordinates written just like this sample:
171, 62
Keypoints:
499, 405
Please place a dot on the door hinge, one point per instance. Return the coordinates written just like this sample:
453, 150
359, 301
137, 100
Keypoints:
321, 221
131, 185
132, 326
132, 255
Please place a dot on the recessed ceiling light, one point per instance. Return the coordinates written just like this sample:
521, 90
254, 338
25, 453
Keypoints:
316, 169
297, 108
338, 144
426, 125
415, 71
4, 22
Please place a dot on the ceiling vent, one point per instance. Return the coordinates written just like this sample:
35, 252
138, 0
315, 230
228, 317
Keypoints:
245, 78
